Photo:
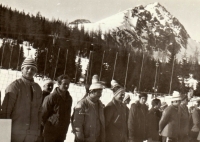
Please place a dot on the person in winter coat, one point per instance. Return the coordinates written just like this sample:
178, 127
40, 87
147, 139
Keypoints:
169, 125
154, 116
47, 88
127, 100
137, 121
116, 117
163, 106
22, 104
196, 123
88, 121
56, 111
184, 120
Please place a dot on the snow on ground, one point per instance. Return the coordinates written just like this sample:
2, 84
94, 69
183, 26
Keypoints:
77, 92
27, 47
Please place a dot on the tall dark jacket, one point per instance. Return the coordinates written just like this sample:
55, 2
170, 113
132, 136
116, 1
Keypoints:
56, 111
184, 123
154, 117
137, 121
184, 120
44, 94
22, 104
169, 125
116, 122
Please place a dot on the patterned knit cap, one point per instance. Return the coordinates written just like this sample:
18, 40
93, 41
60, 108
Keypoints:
117, 89
29, 62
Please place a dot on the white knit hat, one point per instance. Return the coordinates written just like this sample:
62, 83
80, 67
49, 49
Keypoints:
96, 85
29, 62
176, 96
127, 96
114, 84
47, 81
95, 78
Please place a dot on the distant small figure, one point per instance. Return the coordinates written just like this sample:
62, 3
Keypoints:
47, 88
154, 117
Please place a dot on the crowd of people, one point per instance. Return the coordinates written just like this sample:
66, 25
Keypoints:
44, 115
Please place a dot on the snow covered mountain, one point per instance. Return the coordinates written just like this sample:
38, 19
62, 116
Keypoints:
151, 27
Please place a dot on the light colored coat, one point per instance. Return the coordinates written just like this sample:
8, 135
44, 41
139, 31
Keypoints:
84, 120
169, 125
17, 105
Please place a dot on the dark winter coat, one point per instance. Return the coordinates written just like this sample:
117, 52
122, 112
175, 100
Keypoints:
116, 122
154, 117
22, 104
56, 111
85, 120
196, 120
184, 120
169, 125
44, 94
137, 121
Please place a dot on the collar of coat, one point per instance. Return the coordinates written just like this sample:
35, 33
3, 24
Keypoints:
138, 104
117, 104
28, 81
92, 103
63, 95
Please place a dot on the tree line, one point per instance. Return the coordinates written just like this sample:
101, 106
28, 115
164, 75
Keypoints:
59, 44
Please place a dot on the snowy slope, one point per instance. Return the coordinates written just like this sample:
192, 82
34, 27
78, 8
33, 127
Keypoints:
27, 48
148, 22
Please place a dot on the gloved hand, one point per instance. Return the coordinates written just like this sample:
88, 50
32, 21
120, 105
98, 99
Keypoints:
79, 136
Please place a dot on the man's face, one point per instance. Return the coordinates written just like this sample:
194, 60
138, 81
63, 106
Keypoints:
96, 94
176, 103
29, 72
143, 100
48, 87
158, 106
185, 101
120, 97
64, 85
127, 101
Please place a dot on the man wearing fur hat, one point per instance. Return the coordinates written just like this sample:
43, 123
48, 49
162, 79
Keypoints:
116, 117
169, 125
22, 104
137, 121
88, 120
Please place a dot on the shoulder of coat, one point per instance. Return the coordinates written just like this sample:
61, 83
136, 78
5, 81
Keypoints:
110, 104
81, 103
14, 85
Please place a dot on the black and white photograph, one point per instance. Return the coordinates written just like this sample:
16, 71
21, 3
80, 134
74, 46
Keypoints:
99, 71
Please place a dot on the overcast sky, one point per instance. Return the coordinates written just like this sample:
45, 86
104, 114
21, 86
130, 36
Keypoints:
187, 11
